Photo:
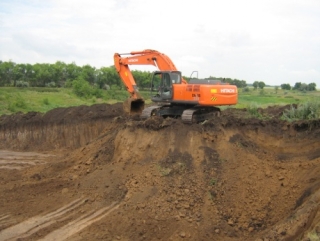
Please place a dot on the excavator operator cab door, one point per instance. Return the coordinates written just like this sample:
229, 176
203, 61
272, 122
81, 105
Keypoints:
163, 82
161, 86
166, 90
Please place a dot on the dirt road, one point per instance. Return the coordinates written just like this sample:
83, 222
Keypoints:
94, 173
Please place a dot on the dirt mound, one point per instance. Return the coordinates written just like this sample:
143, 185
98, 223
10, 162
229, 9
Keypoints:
110, 176
61, 128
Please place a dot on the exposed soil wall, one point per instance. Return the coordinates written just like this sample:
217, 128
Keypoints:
109, 176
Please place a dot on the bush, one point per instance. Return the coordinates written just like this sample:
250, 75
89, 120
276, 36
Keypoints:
106, 87
262, 92
97, 92
82, 88
19, 103
246, 89
22, 84
254, 110
68, 84
46, 101
306, 111
51, 84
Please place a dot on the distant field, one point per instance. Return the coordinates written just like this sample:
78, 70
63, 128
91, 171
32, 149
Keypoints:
13, 100
269, 97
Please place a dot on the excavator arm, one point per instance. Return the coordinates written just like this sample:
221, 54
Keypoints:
135, 103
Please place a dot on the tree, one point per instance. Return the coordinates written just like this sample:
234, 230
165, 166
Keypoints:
255, 84
297, 86
303, 87
142, 78
43, 74
312, 86
238, 83
60, 73
285, 86
6, 73
73, 71
261, 84
88, 73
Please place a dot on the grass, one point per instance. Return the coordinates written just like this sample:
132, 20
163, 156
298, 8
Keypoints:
24, 100
313, 236
164, 171
270, 97
305, 111
212, 182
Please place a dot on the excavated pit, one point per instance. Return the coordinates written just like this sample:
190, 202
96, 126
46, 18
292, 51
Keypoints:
95, 173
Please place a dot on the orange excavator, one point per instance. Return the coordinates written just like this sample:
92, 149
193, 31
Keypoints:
193, 101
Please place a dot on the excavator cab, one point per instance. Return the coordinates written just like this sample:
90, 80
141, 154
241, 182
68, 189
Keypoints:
162, 85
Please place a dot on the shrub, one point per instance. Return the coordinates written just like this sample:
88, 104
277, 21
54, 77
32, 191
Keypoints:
46, 101
12, 107
51, 84
68, 84
22, 84
246, 89
254, 110
82, 88
97, 92
106, 87
306, 111
18, 103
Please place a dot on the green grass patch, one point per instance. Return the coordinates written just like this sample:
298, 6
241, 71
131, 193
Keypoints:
269, 97
253, 110
44, 99
25, 100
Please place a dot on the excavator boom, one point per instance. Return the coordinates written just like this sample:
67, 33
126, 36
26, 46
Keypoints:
135, 103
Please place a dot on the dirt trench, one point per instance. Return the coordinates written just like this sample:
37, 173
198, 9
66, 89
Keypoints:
94, 173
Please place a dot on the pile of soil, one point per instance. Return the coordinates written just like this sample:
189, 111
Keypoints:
95, 173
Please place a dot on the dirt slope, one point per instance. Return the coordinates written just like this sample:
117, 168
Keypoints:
94, 173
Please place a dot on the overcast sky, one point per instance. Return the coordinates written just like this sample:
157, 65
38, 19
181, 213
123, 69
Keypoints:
275, 41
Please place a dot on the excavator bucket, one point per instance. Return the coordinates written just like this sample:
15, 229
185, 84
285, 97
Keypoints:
133, 106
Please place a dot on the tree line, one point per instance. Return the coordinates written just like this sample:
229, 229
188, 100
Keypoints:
300, 86
237, 82
58, 74
61, 74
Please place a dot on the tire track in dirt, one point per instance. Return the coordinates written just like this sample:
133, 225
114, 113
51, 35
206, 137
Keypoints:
5, 221
32, 225
19, 160
80, 223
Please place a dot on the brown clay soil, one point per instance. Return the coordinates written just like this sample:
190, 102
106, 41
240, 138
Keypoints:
95, 173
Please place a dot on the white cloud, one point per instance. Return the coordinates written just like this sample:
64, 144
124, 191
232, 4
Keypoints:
247, 40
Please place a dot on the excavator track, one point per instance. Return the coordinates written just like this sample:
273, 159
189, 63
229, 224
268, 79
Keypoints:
196, 115
188, 116
148, 112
